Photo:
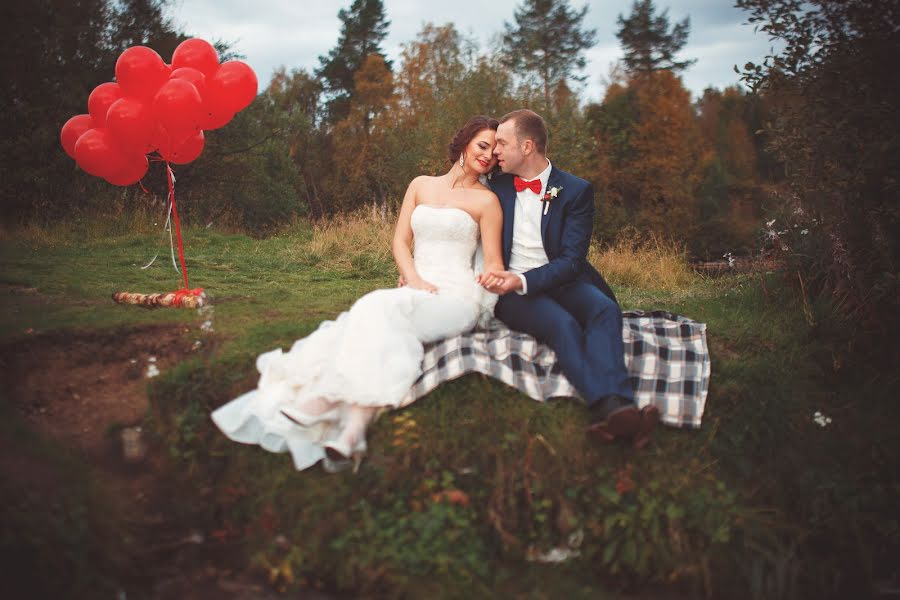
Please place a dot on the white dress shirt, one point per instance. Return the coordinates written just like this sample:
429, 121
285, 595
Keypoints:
527, 246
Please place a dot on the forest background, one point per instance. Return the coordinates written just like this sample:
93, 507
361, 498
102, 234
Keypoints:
797, 166
804, 145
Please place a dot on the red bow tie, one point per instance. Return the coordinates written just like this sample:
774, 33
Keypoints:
520, 184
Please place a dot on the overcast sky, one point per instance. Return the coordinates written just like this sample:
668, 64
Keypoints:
293, 33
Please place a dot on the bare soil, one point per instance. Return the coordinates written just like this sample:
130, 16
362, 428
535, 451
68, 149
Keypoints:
79, 388
83, 390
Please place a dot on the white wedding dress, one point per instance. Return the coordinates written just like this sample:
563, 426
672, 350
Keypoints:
370, 355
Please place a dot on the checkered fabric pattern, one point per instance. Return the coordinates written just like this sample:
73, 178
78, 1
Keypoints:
666, 356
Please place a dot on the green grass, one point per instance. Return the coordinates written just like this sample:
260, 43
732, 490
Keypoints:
759, 503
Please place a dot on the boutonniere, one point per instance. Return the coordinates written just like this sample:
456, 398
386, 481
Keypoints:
549, 196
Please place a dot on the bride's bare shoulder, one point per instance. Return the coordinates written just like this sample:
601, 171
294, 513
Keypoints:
485, 195
486, 201
422, 181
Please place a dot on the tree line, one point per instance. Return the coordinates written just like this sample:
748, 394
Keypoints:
810, 144
358, 128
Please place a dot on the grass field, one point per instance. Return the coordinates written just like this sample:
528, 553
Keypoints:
462, 493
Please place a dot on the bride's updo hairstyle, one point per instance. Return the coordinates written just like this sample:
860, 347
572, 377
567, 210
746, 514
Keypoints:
465, 134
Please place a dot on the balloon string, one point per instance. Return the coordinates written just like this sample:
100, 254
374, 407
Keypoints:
167, 228
171, 241
171, 179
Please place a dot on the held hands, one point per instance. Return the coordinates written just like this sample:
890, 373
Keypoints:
496, 282
499, 282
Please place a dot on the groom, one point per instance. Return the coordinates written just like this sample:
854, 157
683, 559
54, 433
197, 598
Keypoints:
549, 289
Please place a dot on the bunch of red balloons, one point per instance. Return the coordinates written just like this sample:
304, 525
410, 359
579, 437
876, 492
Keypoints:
156, 107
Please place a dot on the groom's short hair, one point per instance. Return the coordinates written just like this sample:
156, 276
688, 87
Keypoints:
529, 126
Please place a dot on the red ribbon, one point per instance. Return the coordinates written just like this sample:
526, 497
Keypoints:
180, 295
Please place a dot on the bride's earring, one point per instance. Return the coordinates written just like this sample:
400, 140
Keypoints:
462, 158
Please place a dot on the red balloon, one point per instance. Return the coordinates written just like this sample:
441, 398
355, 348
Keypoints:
197, 54
165, 140
72, 130
97, 153
213, 117
140, 71
135, 168
187, 151
177, 105
191, 75
132, 124
232, 88
101, 99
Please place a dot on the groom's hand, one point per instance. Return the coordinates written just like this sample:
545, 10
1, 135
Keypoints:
500, 282
401, 281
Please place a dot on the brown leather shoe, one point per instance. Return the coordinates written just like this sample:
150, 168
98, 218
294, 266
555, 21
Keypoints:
649, 419
623, 423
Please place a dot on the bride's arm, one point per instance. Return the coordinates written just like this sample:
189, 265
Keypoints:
401, 246
491, 233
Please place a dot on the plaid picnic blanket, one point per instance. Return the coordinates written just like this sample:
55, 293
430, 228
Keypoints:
665, 354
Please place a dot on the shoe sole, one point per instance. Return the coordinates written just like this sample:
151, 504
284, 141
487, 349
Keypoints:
649, 419
624, 422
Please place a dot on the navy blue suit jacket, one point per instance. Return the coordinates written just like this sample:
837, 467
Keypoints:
565, 230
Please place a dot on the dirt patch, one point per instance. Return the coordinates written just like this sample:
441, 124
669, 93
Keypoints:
83, 389
79, 387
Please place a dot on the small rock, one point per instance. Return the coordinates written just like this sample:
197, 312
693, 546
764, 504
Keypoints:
134, 446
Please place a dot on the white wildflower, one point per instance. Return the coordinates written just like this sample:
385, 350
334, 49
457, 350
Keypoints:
728, 256
770, 223
554, 555
821, 420
152, 371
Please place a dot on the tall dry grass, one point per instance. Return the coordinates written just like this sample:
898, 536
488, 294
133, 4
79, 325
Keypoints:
646, 262
114, 222
336, 242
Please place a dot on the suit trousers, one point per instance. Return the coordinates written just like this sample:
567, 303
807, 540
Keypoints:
584, 327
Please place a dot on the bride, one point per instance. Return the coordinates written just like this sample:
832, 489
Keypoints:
317, 399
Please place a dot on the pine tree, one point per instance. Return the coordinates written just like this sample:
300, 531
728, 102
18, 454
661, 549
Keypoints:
648, 42
364, 28
548, 41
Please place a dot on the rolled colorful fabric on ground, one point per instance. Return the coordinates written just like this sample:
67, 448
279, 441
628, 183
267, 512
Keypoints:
180, 299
